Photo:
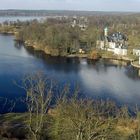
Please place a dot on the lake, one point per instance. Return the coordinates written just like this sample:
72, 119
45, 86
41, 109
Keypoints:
98, 80
21, 18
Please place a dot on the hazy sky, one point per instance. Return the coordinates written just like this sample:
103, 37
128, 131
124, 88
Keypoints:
94, 5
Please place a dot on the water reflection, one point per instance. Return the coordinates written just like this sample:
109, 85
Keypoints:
97, 79
60, 64
18, 44
133, 73
103, 79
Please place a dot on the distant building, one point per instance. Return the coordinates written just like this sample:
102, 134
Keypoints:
120, 50
74, 21
106, 32
81, 22
83, 47
115, 42
136, 51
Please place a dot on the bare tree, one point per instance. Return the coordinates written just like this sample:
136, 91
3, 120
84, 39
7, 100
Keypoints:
81, 120
38, 99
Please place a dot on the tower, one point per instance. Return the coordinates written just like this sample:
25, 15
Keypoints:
105, 37
105, 31
74, 21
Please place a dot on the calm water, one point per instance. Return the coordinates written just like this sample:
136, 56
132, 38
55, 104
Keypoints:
21, 18
101, 80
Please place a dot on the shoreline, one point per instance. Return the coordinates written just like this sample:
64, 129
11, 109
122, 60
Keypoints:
122, 58
86, 56
135, 65
29, 45
46, 52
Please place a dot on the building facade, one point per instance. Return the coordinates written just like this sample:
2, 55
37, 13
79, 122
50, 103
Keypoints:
115, 43
136, 51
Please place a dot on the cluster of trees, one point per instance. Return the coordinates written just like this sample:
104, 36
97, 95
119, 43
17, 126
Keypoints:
72, 117
56, 35
63, 115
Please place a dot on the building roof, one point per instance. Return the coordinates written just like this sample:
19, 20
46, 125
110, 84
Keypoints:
121, 46
116, 37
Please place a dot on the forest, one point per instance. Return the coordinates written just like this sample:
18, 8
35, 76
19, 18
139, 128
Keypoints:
56, 36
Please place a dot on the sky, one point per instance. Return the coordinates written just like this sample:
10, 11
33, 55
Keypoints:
87, 5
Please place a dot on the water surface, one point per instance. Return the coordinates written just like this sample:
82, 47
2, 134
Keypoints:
99, 80
20, 18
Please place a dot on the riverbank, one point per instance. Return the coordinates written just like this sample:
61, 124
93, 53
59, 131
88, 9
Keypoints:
53, 52
88, 56
9, 29
135, 64
56, 52
119, 60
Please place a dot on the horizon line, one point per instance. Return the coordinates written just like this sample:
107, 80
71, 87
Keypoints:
70, 10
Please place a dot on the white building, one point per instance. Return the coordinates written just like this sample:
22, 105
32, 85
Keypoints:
106, 31
101, 45
81, 22
111, 46
120, 51
115, 43
136, 52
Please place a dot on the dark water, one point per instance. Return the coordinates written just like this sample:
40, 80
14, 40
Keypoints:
100, 80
